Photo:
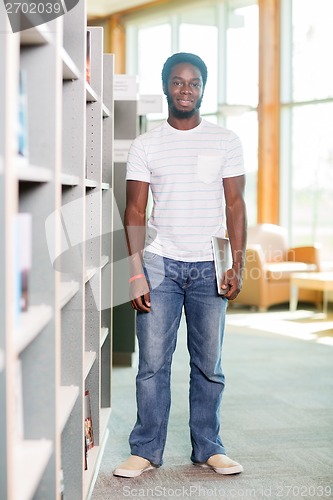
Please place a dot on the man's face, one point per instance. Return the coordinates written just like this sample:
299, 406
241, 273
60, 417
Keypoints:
185, 90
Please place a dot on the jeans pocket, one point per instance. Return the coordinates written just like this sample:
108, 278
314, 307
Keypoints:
154, 268
149, 256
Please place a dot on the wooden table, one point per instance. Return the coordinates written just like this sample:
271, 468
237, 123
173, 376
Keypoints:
321, 281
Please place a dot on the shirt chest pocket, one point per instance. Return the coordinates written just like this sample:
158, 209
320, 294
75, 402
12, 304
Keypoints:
209, 168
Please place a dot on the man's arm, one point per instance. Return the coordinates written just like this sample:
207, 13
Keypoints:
237, 231
135, 230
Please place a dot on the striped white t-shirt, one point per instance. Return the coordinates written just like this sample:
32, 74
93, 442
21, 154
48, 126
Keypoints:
185, 169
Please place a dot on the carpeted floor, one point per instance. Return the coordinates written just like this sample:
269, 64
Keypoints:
277, 416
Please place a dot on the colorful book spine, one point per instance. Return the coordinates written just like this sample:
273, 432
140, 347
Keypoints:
88, 424
22, 261
88, 58
23, 147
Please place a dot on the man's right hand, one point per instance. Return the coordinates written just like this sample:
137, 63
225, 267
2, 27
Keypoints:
139, 295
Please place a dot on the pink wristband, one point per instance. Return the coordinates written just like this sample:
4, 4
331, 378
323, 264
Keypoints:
137, 276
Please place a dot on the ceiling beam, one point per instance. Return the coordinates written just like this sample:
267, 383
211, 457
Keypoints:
140, 5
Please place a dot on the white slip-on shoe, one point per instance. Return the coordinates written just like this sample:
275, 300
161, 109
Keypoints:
134, 466
222, 464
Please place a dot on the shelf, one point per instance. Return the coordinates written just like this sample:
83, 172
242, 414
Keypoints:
31, 323
106, 111
104, 335
91, 95
68, 397
39, 35
69, 180
89, 183
30, 173
94, 460
69, 69
30, 459
54, 347
104, 261
89, 360
68, 290
90, 273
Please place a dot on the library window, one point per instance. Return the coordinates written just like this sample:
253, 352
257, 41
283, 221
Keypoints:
225, 36
241, 91
152, 56
306, 124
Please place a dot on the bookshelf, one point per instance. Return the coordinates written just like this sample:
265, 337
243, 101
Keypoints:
63, 341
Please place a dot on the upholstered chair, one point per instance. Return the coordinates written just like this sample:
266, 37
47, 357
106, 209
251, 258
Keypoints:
269, 264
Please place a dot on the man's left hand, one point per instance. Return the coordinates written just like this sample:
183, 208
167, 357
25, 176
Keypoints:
232, 282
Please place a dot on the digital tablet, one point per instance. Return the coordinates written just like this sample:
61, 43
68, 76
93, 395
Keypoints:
222, 260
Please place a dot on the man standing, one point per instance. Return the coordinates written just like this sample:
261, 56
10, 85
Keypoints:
196, 175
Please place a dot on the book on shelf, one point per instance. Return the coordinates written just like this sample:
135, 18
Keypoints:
88, 423
22, 260
85, 452
88, 58
222, 260
62, 485
25, 252
23, 149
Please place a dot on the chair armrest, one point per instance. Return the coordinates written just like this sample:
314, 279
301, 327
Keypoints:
254, 270
308, 254
254, 257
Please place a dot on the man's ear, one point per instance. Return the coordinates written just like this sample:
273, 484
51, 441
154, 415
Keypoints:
165, 89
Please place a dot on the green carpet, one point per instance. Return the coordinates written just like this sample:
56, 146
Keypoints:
277, 416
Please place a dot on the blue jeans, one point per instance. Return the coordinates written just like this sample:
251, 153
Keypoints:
174, 285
